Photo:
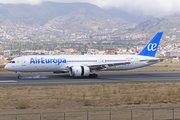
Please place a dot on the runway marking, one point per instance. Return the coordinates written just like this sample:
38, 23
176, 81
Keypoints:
8, 81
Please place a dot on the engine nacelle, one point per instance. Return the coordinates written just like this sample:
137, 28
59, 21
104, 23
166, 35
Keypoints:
78, 70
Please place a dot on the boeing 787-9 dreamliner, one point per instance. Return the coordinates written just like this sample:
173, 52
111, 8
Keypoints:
86, 65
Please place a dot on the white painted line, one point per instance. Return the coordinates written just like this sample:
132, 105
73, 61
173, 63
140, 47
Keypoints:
8, 81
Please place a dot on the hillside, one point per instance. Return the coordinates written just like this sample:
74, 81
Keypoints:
88, 19
166, 24
66, 16
81, 17
42, 13
38, 14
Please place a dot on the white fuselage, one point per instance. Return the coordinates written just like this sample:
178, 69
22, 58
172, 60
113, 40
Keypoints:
61, 63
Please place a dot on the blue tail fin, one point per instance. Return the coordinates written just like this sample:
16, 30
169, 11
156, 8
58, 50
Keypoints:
151, 47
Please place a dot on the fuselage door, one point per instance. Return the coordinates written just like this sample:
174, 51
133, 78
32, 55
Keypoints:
101, 60
23, 62
136, 61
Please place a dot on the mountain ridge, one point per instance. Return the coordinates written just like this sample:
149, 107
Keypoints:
87, 20
41, 13
158, 24
68, 16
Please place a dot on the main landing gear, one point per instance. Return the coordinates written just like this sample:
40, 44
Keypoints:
93, 75
19, 75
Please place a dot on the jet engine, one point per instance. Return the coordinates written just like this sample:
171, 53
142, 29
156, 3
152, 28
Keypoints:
78, 70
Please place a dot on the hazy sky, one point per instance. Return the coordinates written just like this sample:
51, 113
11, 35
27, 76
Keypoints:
156, 8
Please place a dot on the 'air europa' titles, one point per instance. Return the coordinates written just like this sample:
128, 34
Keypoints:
47, 60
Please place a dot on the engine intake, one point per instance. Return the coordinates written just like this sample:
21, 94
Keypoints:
78, 70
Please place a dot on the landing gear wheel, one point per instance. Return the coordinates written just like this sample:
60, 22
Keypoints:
19, 76
90, 76
93, 76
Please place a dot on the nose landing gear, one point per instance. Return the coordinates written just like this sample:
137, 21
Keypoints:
19, 75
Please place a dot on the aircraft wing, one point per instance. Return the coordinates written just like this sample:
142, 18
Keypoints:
106, 65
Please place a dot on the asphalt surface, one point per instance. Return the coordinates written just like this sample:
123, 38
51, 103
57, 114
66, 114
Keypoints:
104, 78
2, 66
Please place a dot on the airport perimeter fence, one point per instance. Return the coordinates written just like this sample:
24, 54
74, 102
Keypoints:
167, 113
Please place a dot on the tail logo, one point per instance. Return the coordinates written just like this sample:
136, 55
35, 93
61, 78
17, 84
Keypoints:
152, 47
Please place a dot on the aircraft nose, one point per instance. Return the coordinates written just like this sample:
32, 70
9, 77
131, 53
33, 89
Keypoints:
6, 67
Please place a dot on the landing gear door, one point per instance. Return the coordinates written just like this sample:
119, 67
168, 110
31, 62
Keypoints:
23, 62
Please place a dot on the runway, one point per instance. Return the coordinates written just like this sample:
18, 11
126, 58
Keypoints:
104, 78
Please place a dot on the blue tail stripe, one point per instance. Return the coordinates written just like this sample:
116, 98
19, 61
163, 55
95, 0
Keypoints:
152, 46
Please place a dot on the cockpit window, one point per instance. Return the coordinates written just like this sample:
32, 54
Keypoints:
12, 62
